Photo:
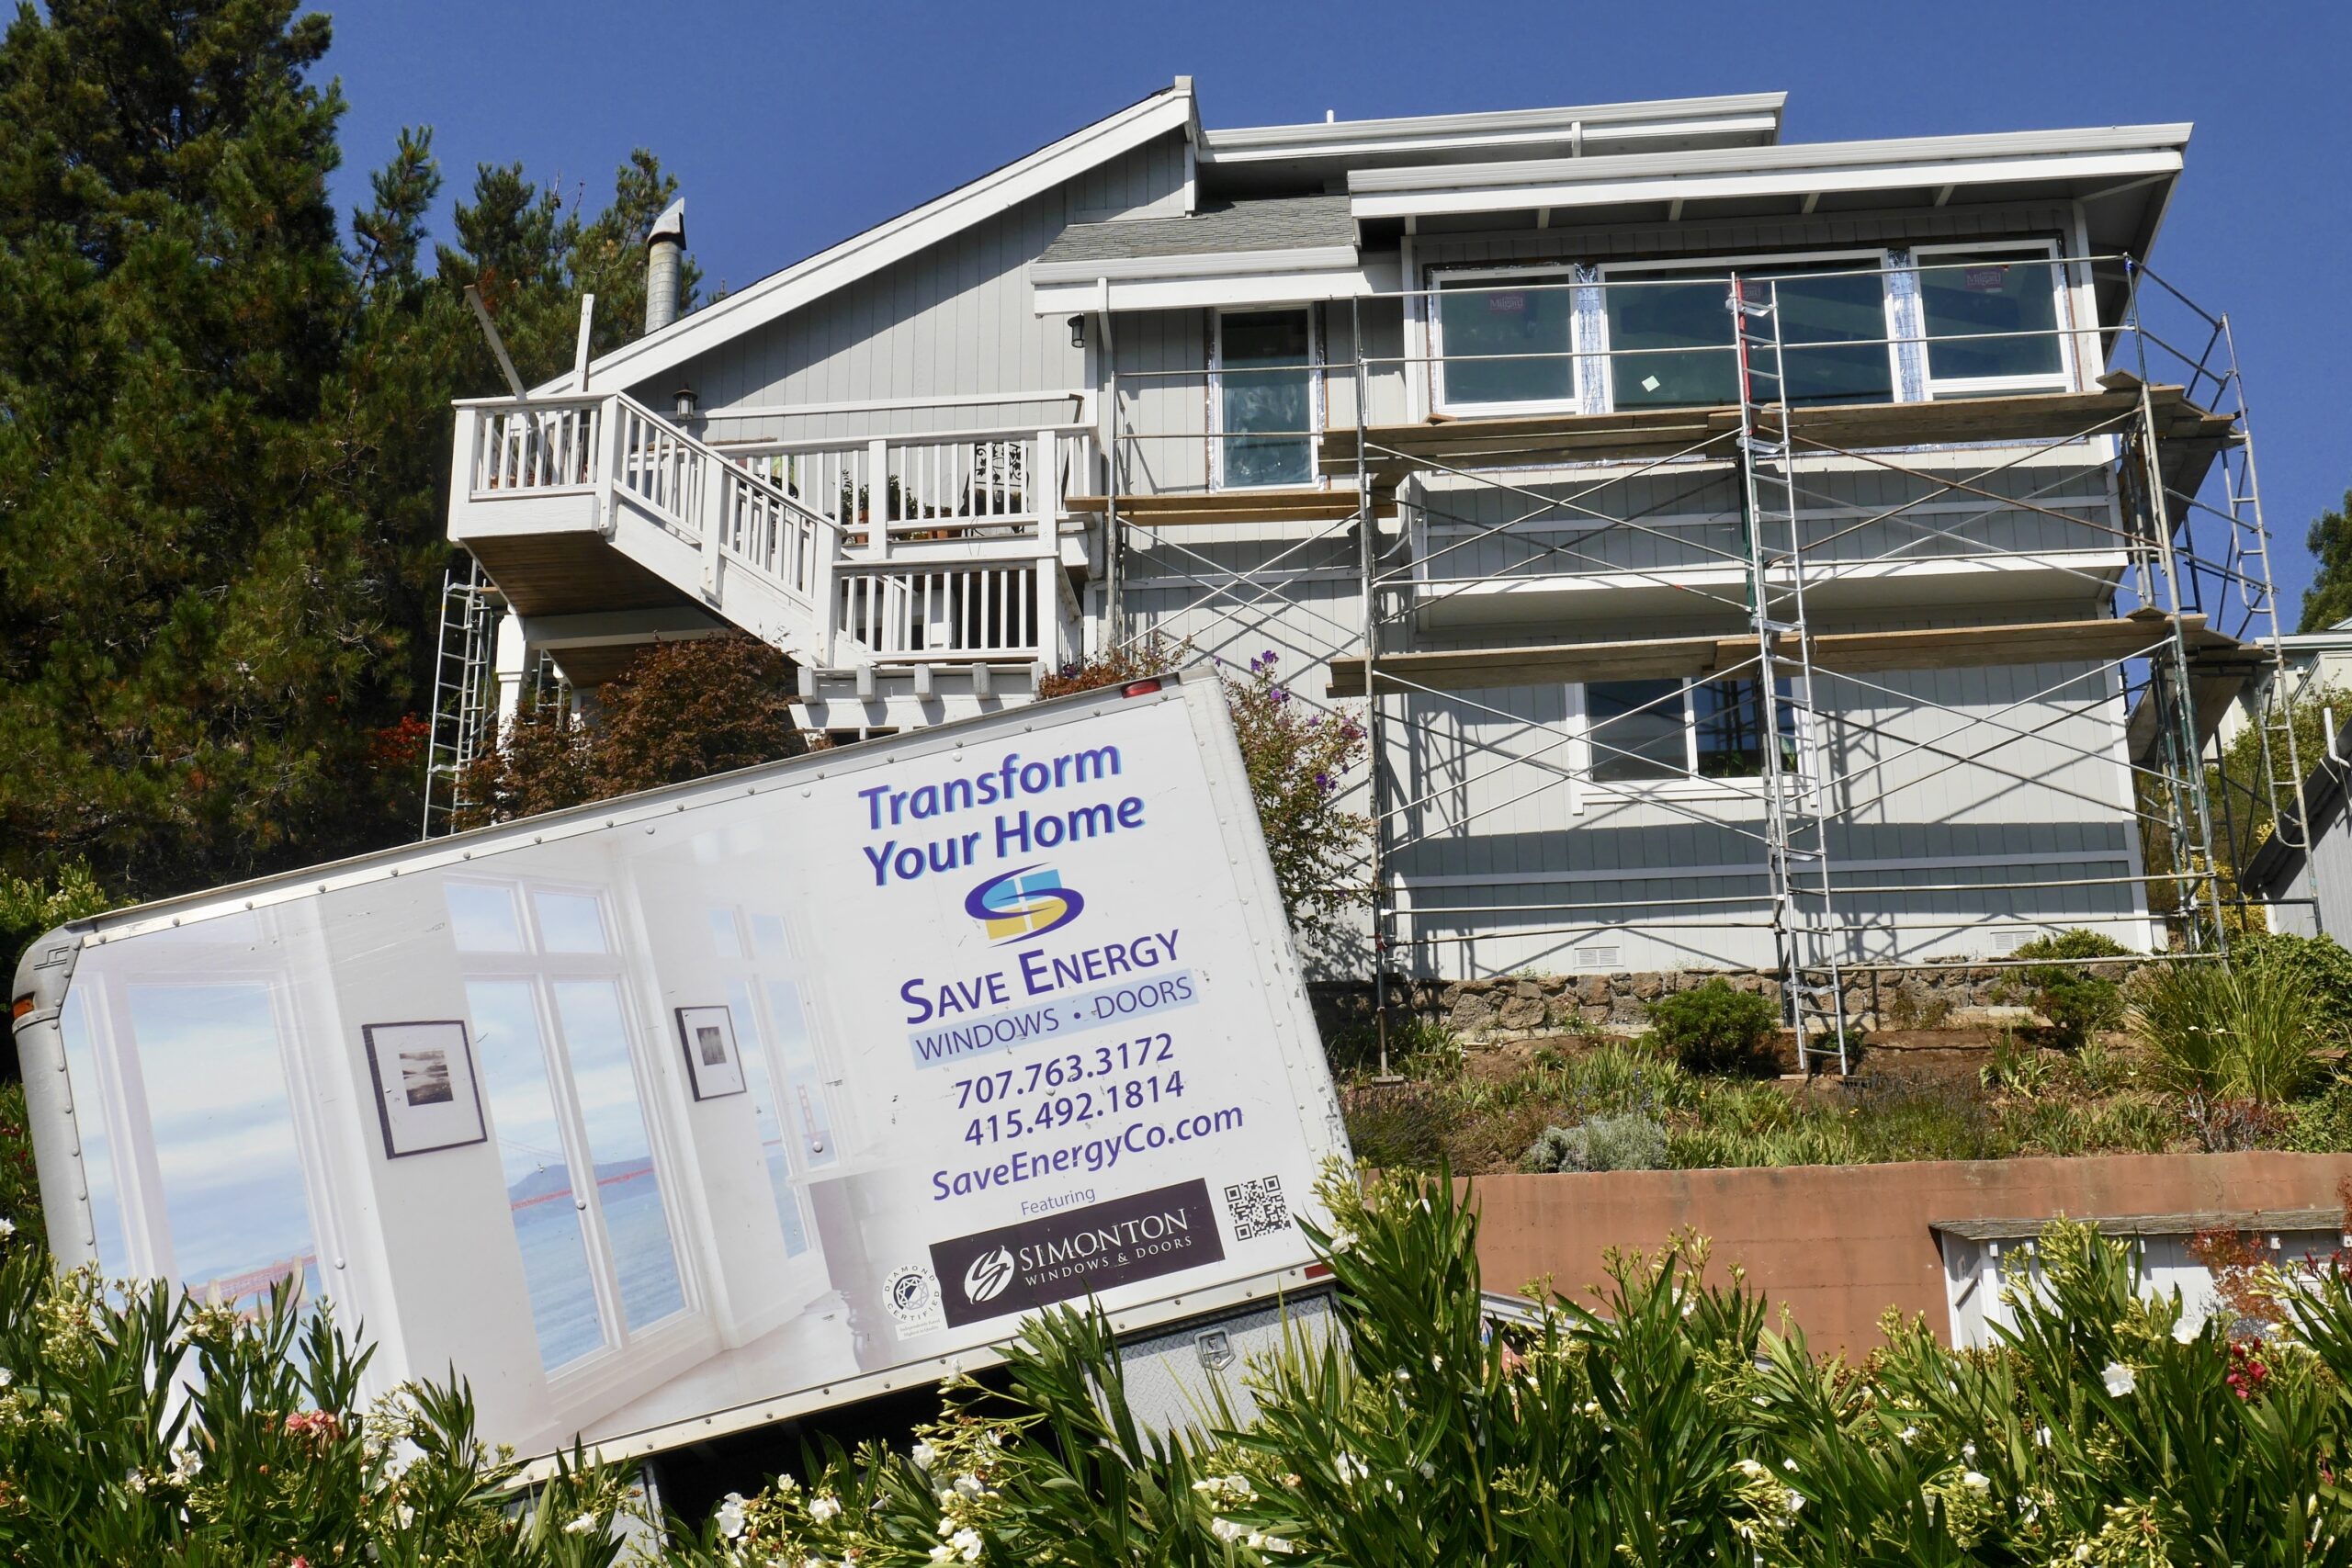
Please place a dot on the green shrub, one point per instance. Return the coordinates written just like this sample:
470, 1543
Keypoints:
1417, 1047
2248, 1030
1399, 1126
2079, 1001
2321, 960
2323, 1124
1604, 1143
270, 1457
20, 1210
1714, 1029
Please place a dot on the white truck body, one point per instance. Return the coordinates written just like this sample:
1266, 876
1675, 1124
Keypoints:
684, 1113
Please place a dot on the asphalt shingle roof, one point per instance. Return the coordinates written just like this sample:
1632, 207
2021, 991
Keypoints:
1277, 223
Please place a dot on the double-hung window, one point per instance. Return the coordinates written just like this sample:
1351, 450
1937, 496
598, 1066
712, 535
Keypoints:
1264, 401
1643, 733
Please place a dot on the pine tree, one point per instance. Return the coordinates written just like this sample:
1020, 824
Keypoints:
190, 625
224, 437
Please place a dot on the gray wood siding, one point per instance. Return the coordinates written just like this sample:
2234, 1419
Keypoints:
1689, 516
1162, 359
1148, 182
955, 319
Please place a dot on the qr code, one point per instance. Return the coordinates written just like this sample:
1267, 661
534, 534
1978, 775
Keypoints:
1257, 1207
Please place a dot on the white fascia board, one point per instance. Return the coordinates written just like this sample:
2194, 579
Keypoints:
1818, 180
864, 255
1193, 293
1747, 113
1925, 151
1212, 264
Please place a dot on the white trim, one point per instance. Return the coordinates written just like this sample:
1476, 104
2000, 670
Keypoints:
1935, 160
1198, 263
863, 254
1209, 293
1796, 181
1314, 372
891, 405
1752, 114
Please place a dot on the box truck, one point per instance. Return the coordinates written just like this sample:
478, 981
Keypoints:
726, 1103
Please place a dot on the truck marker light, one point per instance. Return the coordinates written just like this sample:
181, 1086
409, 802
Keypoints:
1139, 688
20, 1007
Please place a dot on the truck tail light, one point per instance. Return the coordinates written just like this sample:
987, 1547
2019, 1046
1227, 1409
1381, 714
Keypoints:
1139, 688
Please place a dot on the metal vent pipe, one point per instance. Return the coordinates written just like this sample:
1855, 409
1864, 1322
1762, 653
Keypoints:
665, 252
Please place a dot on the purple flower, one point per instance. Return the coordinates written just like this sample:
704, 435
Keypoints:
1280, 696
1323, 782
1268, 656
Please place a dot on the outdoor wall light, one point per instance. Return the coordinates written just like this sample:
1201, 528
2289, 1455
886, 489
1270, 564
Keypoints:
684, 402
1077, 332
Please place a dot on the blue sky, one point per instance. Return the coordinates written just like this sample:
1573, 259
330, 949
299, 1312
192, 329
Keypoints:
794, 126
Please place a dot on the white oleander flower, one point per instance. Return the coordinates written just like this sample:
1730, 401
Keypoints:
731, 1514
1227, 1530
923, 1454
967, 1543
2185, 1331
581, 1526
2118, 1378
1976, 1480
824, 1508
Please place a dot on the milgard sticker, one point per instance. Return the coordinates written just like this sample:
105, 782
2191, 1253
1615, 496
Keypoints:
1056, 1256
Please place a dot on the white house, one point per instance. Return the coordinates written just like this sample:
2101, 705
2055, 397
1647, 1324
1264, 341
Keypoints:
1534, 437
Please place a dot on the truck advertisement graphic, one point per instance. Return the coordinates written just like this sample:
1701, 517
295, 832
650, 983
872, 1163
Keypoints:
694, 1109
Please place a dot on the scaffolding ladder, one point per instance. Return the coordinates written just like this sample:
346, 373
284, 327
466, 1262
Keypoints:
1806, 932
464, 694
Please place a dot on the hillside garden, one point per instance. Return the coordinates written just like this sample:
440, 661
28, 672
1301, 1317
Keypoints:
2186, 1055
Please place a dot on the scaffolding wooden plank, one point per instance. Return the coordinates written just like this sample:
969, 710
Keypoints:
1647, 433
1235, 506
1658, 658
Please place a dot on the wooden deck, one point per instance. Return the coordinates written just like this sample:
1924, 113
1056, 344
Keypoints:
1662, 658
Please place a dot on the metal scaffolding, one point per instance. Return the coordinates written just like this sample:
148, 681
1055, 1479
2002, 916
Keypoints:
2188, 620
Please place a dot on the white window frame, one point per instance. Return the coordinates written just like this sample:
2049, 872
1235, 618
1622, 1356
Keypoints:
2065, 379
1692, 785
1535, 274
1315, 400
624, 1347
1868, 258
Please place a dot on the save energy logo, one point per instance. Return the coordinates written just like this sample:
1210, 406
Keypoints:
1027, 902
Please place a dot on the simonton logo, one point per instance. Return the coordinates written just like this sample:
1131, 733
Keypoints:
1027, 902
990, 1272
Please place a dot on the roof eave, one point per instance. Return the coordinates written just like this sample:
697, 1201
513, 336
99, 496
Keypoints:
1170, 108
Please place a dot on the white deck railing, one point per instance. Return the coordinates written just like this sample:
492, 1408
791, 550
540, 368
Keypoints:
897, 549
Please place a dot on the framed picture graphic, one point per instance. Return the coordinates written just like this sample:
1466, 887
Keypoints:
712, 1065
426, 1097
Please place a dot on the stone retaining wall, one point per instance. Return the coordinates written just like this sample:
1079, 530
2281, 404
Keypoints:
1954, 996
